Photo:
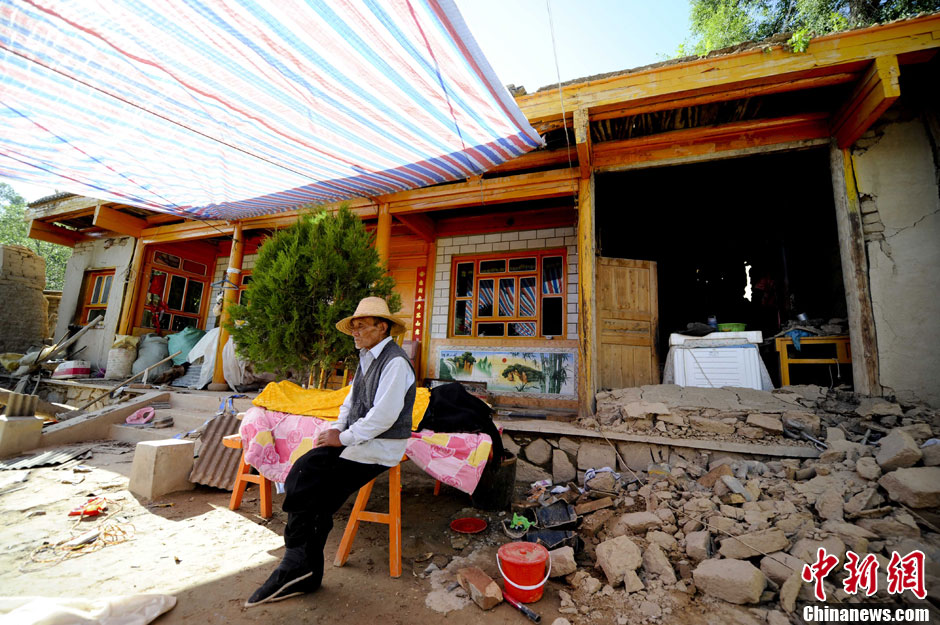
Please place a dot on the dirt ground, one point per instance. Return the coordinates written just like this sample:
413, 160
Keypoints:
189, 544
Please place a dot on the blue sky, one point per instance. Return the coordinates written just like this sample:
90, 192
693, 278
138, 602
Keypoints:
591, 37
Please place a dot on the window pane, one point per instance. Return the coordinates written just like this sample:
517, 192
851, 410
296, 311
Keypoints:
491, 329
485, 303
155, 290
552, 316
493, 266
193, 297
148, 320
167, 259
522, 329
551, 275
507, 297
94, 313
180, 323
194, 267
464, 280
174, 296
521, 264
527, 297
97, 291
106, 290
463, 318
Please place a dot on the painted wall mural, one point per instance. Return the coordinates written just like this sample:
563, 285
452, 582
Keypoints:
537, 372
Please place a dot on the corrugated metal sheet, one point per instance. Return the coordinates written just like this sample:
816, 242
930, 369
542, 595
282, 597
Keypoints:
46, 458
216, 465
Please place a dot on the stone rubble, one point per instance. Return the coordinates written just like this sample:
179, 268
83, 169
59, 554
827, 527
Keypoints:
713, 525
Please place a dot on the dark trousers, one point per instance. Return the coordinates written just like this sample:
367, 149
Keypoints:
317, 486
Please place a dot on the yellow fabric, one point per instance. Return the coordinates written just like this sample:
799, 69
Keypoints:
438, 439
480, 454
288, 397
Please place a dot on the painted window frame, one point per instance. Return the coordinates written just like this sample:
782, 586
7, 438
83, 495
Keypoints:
496, 318
95, 299
188, 277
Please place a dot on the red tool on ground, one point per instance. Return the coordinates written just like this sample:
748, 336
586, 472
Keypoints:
92, 507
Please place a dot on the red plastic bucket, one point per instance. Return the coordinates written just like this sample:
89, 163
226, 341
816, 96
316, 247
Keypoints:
522, 565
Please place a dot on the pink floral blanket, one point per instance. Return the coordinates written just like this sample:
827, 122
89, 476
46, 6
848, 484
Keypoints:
274, 440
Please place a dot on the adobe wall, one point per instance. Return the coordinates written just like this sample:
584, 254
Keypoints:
896, 169
23, 308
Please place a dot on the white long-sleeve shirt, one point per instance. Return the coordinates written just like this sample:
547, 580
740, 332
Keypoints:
359, 438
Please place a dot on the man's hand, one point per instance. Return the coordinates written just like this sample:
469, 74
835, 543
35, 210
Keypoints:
329, 438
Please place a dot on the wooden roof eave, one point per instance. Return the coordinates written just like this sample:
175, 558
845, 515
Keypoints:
839, 57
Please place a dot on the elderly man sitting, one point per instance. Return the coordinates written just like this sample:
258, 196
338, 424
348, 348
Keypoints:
369, 437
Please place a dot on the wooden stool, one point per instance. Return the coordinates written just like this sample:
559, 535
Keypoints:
244, 477
392, 519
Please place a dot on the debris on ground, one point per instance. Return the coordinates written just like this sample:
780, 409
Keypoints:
680, 525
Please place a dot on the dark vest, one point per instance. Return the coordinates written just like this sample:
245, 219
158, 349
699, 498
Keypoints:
366, 385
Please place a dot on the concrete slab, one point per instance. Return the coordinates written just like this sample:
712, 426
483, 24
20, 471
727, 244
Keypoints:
19, 434
96, 425
161, 467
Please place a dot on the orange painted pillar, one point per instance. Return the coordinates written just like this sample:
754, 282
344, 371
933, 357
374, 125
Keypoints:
229, 297
383, 234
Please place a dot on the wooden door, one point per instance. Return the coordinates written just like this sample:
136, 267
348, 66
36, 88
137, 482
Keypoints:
627, 323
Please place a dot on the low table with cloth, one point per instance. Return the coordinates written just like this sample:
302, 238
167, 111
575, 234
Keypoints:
286, 419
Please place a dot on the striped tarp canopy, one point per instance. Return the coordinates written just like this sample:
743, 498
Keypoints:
235, 108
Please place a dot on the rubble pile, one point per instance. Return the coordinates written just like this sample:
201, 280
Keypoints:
707, 526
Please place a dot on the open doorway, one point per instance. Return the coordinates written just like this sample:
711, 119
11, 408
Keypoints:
748, 240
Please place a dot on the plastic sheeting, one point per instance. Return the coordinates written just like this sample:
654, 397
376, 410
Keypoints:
235, 109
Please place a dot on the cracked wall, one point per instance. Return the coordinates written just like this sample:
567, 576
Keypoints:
897, 172
112, 253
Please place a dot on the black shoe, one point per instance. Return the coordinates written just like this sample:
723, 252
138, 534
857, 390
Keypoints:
284, 583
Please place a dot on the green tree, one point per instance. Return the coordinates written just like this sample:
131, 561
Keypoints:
14, 230
306, 278
716, 24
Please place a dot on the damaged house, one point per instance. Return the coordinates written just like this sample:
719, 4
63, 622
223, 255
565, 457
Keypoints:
664, 194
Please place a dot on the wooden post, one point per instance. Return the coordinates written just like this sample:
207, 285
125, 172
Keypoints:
587, 322
383, 233
132, 289
229, 296
429, 279
865, 373
587, 270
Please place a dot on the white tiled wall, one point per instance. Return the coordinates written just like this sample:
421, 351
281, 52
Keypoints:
221, 264
449, 247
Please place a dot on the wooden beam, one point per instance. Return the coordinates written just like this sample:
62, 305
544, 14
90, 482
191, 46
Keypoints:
615, 155
533, 186
61, 207
865, 367
193, 229
587, 299
131, 289
582, 137
116, 221
833, 54
499, 221
874, 93
383, 233
708, 95
539, 159
421, 225
51, 233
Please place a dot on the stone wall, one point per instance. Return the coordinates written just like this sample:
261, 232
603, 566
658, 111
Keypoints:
896, 171
23, 309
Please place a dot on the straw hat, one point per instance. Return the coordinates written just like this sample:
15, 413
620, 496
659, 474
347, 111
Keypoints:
372, 307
